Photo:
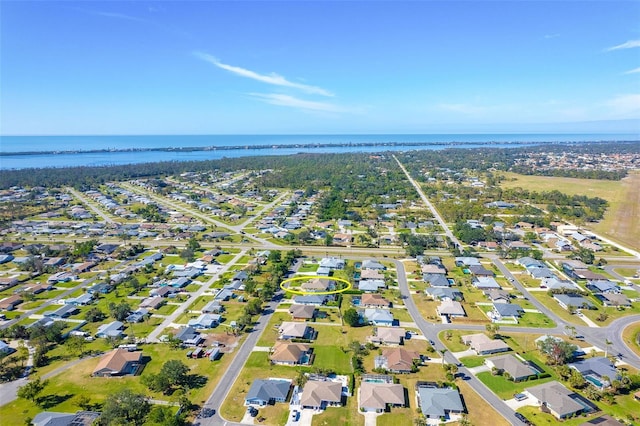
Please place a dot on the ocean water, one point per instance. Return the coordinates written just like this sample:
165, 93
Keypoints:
66, 151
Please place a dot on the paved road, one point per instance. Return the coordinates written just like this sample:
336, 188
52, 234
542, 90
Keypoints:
431, 332
153, 336
207, 219
240, 358
426, 201
89, 204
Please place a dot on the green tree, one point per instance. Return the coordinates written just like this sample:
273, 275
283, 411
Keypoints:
558, 351
351, 317
94, 315
193, 244
119, 311
32, 389
124, 407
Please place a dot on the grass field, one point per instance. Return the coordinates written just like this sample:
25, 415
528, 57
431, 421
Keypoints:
629, 336
621, 222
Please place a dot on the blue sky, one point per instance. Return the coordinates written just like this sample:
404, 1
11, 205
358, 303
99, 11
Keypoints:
214, 67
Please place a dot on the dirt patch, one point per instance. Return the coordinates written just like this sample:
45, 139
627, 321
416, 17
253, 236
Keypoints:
226, 342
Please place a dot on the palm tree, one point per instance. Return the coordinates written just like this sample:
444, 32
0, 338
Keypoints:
443, 351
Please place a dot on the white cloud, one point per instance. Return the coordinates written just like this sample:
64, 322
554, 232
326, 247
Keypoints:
548, 36
293, 102
633, 71
117, 16
625, 106
626, 45
273, 78
462, 108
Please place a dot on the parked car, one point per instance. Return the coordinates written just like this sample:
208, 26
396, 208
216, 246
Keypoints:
523, 419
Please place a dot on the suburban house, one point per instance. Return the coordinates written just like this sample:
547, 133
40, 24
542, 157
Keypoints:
284, 353
612, 299
213, 307
430, 268
9, 303
439, 403
296, 330
52, 418
377, 397
509, 364
152, 302
137, 315
574, 300
480, 271
63, 311
377, 316
371, 285
332, 263
397, 360
205, 321
559, 400
451, 308
507, 312
267, 391
371, 274
437, 280
599, 371
485, 283
189, 336
113, 330
373, 264
302, 312
440, 293
318, 285
311, 299
388, 335
118, 362
481, 343
554, 283
320, 394
603, 286
498, 296
467, 261
374, 301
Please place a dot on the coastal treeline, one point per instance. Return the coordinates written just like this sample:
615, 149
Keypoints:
319, 169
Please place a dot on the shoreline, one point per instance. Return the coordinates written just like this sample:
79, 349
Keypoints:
314, 145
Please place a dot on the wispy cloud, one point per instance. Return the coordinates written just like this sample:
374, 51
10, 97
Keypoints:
303, 104
633, 71
114, 15
548, 36
626, 45
273, 78
625, 106
462, 108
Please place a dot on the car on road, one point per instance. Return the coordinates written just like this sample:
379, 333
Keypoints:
523, 419
432, 343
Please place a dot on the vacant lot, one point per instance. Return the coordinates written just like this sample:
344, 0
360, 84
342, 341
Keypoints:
621, 222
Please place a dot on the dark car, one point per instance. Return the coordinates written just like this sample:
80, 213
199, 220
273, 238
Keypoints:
522, 418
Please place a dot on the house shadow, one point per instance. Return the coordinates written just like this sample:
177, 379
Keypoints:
49, 401
143, 363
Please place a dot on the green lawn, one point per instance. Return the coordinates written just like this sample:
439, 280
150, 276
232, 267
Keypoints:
504, 388
472, 361
535, 320
332, 358
453, 343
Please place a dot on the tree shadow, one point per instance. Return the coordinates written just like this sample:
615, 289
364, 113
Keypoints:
195, 381
49, 401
